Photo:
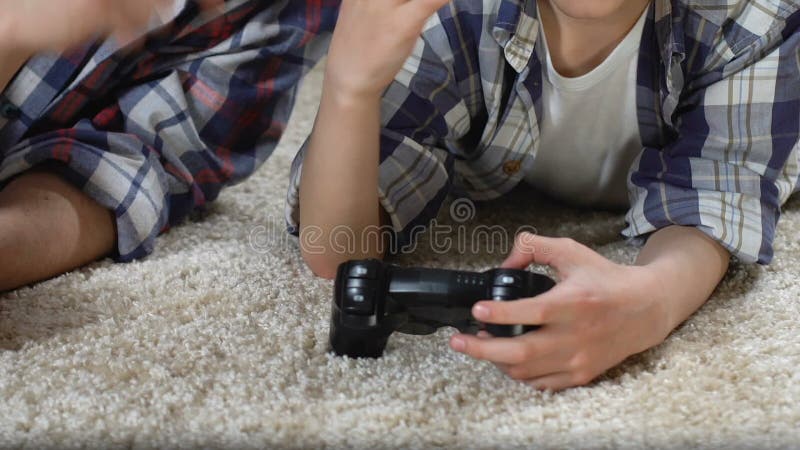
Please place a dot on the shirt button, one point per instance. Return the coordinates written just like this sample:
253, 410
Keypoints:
512, 167
10, 111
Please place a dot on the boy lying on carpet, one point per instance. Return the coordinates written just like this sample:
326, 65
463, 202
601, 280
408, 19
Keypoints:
687, 114
105, 145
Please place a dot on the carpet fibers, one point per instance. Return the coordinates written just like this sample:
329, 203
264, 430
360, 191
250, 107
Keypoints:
219, 341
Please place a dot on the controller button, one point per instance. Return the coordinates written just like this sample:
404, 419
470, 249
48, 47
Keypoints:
358, 301
506, 280
504, 293
361, 270
359, 283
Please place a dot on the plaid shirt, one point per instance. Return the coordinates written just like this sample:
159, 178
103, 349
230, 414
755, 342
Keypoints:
157, 128
718, 105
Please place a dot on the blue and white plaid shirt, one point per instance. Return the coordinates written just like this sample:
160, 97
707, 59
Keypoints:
718, 106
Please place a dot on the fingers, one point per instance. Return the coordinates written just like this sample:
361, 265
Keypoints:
128, 17
529, 249
560, 381
553, 306
510, 351
41, 27
534, 369
539, 359
558, 253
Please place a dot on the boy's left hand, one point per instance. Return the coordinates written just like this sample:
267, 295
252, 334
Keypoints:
599, 314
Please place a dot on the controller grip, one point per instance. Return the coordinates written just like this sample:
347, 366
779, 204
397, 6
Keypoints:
508, 331
369, 344
530, 286
357, 337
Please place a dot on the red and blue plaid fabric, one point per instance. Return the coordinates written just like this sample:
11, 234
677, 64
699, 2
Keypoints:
155, 129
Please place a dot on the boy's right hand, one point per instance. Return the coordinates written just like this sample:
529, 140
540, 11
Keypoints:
373, 38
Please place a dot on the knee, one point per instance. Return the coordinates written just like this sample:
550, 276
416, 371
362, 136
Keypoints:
12, 232
13, 239
48, 227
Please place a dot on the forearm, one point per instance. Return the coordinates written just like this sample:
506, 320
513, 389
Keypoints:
688, 265
339, 185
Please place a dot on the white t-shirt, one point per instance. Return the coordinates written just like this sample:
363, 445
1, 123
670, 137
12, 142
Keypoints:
590, 130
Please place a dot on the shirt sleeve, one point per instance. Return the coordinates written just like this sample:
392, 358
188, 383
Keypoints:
735, 160
422, 112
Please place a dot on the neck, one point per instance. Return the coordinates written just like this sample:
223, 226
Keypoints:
578, 43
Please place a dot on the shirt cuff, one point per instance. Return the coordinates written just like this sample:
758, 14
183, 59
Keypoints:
742, 224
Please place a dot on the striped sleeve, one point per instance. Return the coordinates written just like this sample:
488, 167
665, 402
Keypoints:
735, 161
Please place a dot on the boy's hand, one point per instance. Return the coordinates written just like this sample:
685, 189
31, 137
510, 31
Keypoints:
600, 313
373, 38
44, 25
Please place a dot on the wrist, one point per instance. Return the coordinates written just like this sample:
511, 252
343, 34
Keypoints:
348, 98
655, 299
686, 266
349, 89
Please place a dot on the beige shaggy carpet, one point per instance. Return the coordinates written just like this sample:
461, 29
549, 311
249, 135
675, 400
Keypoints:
219, 340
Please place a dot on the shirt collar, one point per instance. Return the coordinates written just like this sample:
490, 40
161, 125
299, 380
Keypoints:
517, 30
669, 32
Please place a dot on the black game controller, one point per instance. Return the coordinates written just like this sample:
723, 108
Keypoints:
372, 300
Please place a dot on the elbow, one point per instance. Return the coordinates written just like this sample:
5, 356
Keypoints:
326, 265
324, 261
322, 265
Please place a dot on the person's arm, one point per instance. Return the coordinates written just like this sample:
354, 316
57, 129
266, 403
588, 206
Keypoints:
11, 57
714, 191
339, 185
600, 313
36, 26
734, 162
688, 265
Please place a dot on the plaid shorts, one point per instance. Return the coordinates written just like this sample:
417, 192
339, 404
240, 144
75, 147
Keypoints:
156, 128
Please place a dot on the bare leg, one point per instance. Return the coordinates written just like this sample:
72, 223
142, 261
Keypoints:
49, 227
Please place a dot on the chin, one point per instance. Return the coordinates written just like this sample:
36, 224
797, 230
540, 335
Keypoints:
589, 9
